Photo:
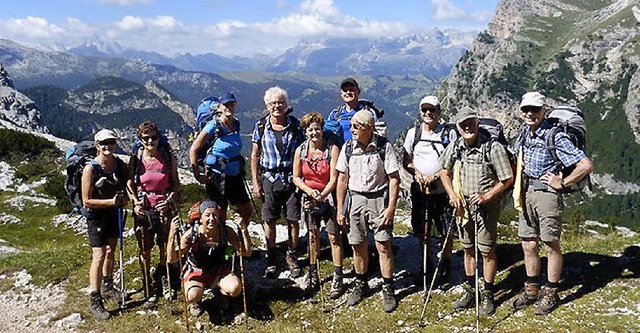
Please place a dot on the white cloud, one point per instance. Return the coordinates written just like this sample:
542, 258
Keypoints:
324, 8
446, 10
164, 22
130, 23
127, 2
30, 27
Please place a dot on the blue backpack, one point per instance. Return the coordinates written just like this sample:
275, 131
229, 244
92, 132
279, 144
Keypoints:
206, 112
76, 158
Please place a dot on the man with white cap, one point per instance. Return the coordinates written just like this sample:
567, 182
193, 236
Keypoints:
368, 180
541, 215
423, 145
485, 172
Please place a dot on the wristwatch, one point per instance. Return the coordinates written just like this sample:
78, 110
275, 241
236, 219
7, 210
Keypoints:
562, 183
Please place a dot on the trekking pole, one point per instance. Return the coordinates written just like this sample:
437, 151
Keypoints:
475, 226
166, 262
244, 290
253, 201
421, 322
313, 253
184, 294
425, 254
121, 227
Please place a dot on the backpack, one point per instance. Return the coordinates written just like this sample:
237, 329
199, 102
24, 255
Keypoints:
136, 155
444, 136
76, 159
381, 144
297, 131
304, 150
570, 120
332, 123
205, 113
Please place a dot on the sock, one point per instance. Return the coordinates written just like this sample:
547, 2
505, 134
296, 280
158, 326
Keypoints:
471, 279
533, 279
337, 270
387, 280
313, 267
554, 285
488, 286
107, 279
361, 277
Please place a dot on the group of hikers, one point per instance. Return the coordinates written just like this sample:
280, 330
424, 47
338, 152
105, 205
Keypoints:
347, 180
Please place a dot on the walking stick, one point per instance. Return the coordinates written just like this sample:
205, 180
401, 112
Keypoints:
313, 253
244, 291
250, 193
120, 227
184, 294
475, 226
421, 322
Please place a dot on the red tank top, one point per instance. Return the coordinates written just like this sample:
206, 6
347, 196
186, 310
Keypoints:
154, 180
316, 172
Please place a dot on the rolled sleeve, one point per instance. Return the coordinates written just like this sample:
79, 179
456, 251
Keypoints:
500, 162
567, 152
255, 136
391, 161
447, 158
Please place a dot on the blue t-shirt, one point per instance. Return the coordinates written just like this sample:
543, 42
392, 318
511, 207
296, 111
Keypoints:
345, 118
227, 146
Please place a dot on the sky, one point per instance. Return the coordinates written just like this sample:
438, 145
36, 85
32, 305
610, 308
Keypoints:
238, 27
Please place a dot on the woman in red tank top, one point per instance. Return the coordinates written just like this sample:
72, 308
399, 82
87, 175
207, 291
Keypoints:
314, 173
152, 186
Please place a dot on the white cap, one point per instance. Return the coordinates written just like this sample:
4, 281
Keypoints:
532, 98
104, 134
431, 100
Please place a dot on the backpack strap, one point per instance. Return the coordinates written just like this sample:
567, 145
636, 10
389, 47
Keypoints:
417, 134
550, 143
381, 143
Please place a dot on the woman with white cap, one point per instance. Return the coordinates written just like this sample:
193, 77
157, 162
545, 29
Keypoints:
103, 183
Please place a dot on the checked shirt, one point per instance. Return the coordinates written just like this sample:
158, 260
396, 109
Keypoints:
278, 164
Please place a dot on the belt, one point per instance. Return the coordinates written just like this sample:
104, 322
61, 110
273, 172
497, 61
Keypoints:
371, 195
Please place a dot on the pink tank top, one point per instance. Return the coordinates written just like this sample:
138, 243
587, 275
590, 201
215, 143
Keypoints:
154, 180
316, 172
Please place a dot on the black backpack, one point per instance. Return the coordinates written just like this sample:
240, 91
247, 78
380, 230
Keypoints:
381, 144
76, 158
444, 136
494, 131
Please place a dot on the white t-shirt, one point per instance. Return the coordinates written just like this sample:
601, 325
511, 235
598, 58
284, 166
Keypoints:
428, 149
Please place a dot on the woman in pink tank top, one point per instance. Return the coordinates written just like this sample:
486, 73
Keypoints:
314, 173
152, 186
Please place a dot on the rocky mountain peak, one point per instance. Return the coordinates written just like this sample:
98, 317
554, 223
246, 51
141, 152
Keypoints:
5, 79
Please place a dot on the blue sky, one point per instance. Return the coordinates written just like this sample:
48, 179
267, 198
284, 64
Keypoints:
241, 27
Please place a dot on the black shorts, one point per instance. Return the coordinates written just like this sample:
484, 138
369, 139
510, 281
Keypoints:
437, 208
151, 224
279, 196
235, 192
327, 213
102, 224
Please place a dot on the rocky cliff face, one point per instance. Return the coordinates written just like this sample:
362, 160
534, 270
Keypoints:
17, 111
184, 110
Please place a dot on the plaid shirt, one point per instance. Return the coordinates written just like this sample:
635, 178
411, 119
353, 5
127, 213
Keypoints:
537, 158
275, 163
479, 173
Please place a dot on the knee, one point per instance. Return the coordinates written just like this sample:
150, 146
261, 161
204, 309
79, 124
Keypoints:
230, 285
530, 246
552, 247
384, 248
335, 240
98, 255
194, 294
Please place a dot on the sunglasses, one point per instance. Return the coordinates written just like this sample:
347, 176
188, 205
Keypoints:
531, 109
425, 110
107, 142
356, 126
149, 138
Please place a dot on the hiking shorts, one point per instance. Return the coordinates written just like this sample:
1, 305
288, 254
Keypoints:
102, 224
278, 197
151, 224
364, 214
208, 279
541, 216
438, 211
327, 213
235, 191
488, 215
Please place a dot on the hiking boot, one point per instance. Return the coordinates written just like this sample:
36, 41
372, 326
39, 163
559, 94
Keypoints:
389, 302
195, 309
548, 301
337, 287
487, 306
467, 300
292, 263
271, 271
151, 302
358, 292
97, 307
222, 301
528, 296
444, 278
109, 292
313, 283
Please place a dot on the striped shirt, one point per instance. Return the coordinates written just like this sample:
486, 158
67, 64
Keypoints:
278, 164
537, 158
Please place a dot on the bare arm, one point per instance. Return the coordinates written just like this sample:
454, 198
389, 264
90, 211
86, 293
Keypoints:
255, 159
394, 190
445, 176
333, 177
87, 189
583, 168
234, 240
482, 198
341, 192
198, 144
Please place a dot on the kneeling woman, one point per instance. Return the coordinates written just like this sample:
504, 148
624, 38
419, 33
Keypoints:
207, 263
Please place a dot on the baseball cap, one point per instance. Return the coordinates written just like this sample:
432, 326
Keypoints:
228, 97
431, 100
466, 114
104, 134
349, 82
532, 98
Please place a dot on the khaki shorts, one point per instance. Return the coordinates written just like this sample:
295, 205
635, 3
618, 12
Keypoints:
541, 216
364, 214
488, 215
